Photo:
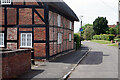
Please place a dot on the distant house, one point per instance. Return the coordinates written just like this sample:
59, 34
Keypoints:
46, 28
111, 26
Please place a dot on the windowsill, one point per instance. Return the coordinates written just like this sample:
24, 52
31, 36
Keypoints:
5, 3
59, 43
25, 46
2, 46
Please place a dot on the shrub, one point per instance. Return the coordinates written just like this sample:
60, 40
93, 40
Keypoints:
118, 39
118, 36
88, 33
77, 40
96, 37
108, 37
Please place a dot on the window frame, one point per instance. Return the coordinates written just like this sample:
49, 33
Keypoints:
70, 25
5, 3
3, 40
70, 37
59, 38
21, 46
59, 20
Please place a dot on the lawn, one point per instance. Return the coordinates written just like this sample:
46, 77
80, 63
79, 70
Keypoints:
101, 41
113, 44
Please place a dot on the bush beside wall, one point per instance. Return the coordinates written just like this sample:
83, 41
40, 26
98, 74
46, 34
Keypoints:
77, 40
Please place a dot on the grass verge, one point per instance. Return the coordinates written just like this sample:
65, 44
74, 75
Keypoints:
113, 45
101, 41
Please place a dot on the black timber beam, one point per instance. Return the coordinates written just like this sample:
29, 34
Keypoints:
5, 19
40, 16
46, 16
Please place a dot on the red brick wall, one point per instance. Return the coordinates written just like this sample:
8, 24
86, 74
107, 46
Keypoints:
16, 63
2, 28
40, 49
37, 19
55, 19
55, 47
25, 29
66, 44
25, 16
18, 3
2, 16
12, 46
39, 34
51, 18
55, 34
32, 3
50, 34
51, 49
11, 18
11, 33
27, 3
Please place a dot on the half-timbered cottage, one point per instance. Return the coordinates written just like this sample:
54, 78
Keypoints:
45, 27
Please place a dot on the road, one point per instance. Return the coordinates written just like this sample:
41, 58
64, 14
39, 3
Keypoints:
101, 62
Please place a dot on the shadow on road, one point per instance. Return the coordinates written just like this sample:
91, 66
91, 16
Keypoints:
31, 74
93, 57
71, 58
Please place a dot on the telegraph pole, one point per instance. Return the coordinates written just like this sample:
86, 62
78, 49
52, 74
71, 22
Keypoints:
80, 28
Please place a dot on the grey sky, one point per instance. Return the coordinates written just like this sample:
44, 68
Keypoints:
91, 9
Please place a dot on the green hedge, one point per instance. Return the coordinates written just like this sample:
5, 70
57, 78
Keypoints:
108, 37
118, 36
77, 40
96, 37
118, 39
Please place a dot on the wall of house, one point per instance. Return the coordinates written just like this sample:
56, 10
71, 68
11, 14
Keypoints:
20, 20
26, 19
54, 29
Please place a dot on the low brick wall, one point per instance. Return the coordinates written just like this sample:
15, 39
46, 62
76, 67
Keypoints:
15, 63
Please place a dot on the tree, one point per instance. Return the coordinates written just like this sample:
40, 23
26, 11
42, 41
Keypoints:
88, 33
84, 27
112, 30
100, 25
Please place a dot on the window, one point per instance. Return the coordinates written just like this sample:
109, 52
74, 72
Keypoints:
26, 40
59, 38
59, 20
1, 39
70, 37
70, 25
5, 2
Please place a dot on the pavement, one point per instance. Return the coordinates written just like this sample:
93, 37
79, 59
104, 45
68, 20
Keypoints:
101, 62
56, 68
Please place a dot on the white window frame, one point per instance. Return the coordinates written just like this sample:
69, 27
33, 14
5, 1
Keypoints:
70, 25
59, 38
26, 41
5, 2
70, 37
59, 20
3, 40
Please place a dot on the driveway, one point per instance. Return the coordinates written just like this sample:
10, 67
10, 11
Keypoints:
101, 62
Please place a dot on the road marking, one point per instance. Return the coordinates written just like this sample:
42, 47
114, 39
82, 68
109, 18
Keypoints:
68, 74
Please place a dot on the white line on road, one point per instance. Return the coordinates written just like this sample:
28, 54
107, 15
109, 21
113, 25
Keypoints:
67, 75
